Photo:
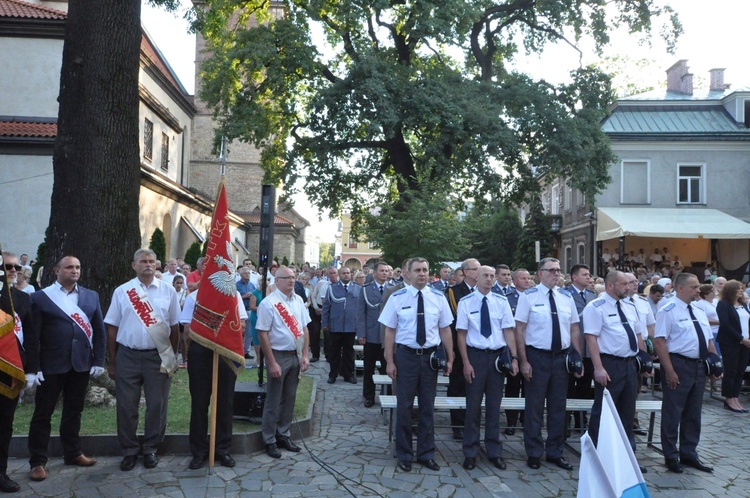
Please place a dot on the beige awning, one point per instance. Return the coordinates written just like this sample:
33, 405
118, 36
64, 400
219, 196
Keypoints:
691, 223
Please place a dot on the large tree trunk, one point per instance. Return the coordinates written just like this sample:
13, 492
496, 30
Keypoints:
94, 212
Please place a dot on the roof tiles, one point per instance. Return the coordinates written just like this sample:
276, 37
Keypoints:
25, 129
19, 9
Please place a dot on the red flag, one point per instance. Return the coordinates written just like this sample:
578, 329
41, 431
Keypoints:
216, 322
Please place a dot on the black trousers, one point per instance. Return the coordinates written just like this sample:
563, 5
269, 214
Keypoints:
735, 357
513, 388
72, 385
623, 389
457, 387
342, 354
7, 414
314, 329
580, 389
373, 352
200, 366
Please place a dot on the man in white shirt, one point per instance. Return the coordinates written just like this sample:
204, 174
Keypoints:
141, 357
171, 270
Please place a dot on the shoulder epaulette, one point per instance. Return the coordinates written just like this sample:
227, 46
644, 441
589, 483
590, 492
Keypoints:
398, 292
668, 307
598, 302
531, 290
469, 296
564, 292
499, 296
435, 291
643, 298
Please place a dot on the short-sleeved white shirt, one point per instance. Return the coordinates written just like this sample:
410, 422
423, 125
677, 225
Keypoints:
601, 319
469, 319
189, 307
400, 313
710, 310
673, 322
533, 309
645, 314
131, 332
269, 319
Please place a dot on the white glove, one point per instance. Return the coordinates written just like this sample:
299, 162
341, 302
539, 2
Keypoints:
96, 371
39, 378
31, 381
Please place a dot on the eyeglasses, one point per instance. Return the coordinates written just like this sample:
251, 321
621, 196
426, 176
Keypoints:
552, 270
285, 278
472, 269
13, 267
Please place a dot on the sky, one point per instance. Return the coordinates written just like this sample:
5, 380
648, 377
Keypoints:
713, 38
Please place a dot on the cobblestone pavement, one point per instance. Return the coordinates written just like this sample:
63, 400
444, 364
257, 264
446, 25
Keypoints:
352, 442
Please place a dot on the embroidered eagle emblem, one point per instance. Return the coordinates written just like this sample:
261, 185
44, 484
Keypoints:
224, 280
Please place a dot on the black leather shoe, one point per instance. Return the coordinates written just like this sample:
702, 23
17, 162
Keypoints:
8, 485
287, 444
644, 470
150, 460
639, 432
533, 463
331, 380
197, 462
470, 463
128, 463
369, 403
735, 410
499, 463
314, 359
429, 463
561, 462
674, 466
351, 380
404, 465
458, 434
226, 460
509, 431
273, 451
696, 464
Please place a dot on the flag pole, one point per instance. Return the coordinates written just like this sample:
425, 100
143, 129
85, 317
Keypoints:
215, 369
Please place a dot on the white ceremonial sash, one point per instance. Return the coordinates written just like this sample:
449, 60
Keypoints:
292, 325
62, 301
157, 329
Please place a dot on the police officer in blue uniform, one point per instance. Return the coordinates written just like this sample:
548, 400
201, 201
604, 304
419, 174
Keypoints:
368, 329
614, 336
546, 327
682, 340
485, 330
514, 383
339, 318
417, 318
503, 285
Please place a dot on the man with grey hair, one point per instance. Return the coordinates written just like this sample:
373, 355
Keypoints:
194, 277
142, 328
546, 328
170, 271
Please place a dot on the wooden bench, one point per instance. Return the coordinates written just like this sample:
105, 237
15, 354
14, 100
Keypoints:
360, 364
443, 403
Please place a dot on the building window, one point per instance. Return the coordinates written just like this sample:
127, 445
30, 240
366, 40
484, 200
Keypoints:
635, 182
581, 198
568, 258
581, 254
352, 242
568, 200
165, 152
148, 139
555, 208
690, 183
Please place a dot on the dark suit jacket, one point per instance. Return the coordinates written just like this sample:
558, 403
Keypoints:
730, 329
299, 289
454, 294
60, 345
580, 304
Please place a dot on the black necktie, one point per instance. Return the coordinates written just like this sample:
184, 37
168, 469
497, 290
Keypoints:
583, 296
345, 287
556, 337
703, 350
485, 325
381, 289
421, 329
628, 329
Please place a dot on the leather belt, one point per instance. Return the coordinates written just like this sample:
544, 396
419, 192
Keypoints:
487, 350
686, 358
418, 351
549, 351
618, 358
278, 351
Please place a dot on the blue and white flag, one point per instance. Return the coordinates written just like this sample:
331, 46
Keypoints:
609, 470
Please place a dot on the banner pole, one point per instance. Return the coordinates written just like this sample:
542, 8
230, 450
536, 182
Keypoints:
214, 404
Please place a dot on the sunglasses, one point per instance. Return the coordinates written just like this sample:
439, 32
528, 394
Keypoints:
13, 267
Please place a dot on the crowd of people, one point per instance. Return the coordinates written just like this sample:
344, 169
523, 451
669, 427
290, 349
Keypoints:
499, 332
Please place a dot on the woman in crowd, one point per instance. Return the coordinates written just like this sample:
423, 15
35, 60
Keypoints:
178, 282
359, 278
706, 303
733, 338
255, 298
304, 277
22, 281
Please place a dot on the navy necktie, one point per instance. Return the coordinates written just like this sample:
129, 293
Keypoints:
703, 350
381, 289
583, 296
628, 329
421, 329
556, 337
485, 325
